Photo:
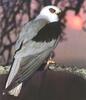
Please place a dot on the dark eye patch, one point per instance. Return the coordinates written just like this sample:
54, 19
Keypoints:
52, 10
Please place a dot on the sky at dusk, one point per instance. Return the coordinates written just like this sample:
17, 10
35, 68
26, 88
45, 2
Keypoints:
74, 48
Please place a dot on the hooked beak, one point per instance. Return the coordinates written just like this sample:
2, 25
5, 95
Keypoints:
58, 14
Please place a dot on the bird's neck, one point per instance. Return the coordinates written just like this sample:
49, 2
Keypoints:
42, 17
47, 18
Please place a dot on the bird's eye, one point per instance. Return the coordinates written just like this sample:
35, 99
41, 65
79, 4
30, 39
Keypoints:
52, 10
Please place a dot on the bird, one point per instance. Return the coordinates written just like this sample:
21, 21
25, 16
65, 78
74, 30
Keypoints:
37, 39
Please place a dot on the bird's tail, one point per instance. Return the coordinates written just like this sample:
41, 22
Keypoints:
16, 91
13, 71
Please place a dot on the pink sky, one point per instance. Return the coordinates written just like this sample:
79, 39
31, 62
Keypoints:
75, 47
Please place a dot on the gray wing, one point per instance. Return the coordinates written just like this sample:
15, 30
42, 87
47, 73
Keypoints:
30, 30
28, 60
29, 48
28, 66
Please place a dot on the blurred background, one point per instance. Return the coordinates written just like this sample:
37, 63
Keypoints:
15, 13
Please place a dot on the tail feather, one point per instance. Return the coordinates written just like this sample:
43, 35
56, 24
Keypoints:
24, 68
28, 67
13, 72
16, 91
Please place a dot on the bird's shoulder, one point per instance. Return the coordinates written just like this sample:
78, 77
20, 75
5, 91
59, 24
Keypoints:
49, 32
34, 24
31, 28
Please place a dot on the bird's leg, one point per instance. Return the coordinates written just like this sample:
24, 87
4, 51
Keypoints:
50, 60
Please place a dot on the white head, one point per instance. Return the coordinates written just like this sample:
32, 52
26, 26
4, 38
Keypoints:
50, 13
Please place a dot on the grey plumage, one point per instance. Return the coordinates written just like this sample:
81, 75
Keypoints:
32, 48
